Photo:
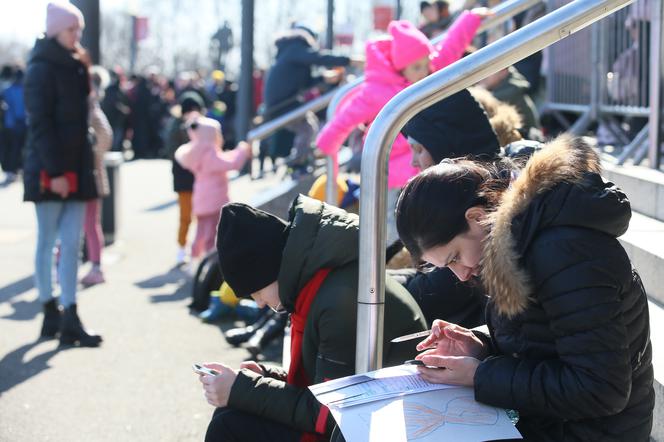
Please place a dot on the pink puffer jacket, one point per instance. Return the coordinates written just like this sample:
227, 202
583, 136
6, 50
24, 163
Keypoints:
382, 82
205, 159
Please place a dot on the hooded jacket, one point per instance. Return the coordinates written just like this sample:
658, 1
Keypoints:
322, 236
291, 72
57, 87
205, 159
513, 89
568, 316
454, 127
382, 82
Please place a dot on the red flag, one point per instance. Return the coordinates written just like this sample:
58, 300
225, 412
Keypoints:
140, 28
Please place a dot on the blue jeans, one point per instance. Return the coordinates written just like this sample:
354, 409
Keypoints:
64, 220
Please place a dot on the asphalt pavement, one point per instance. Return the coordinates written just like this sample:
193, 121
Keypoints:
139, 385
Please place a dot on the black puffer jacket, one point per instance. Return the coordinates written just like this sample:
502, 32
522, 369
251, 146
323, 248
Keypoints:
568, 316
56, 102
291, 72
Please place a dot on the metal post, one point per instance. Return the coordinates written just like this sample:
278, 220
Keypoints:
385, 128
329, 34
399, 10
90, 39
245, 96
501, 13
656, 54
133, 45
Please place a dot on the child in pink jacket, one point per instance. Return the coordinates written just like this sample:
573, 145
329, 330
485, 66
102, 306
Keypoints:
392, 64
205, 159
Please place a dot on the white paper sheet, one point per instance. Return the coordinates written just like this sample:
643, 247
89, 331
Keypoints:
449, 414
373, 386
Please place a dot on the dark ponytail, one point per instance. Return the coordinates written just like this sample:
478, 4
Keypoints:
431, 209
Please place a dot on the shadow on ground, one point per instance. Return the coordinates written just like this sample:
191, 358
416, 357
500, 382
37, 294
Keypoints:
162, 206
15, 370
23, 310
175, 275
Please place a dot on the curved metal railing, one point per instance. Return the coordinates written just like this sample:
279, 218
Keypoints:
501, 13
385, 128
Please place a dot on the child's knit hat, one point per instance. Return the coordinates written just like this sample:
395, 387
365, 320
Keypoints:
60, 16
408, 44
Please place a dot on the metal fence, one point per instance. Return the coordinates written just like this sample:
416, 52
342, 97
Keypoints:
604, 73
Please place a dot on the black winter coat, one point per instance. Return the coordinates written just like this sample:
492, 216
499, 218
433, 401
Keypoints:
568, 315
56, 102
441, 295
291, 72
183, 180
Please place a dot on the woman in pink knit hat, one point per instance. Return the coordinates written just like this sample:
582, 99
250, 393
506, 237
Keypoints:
392, 64
59, 170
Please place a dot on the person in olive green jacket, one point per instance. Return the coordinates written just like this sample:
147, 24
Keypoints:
307, 267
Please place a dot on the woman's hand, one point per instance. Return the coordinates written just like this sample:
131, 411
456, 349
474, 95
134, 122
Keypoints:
243, 145
218, 388
447, 339
60, 186
253, 366
453, 370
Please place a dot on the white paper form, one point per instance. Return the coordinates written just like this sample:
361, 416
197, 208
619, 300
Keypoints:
450, 414
373, 386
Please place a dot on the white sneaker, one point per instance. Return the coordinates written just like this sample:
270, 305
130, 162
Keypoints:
181, 257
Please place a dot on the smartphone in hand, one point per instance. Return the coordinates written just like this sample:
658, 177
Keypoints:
198, 368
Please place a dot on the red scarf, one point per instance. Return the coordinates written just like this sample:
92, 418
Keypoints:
296, 374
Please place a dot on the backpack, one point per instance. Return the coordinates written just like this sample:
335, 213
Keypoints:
208, 278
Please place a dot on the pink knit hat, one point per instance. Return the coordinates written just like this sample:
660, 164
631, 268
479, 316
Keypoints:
408, 44
60, 16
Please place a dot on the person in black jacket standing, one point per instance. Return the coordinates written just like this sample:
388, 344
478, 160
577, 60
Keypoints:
569, 345
288, 78
59, 166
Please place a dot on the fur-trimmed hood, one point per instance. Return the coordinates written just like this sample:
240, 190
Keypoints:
560, 186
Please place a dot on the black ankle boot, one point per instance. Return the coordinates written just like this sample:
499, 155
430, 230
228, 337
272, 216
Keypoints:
52, 319
263, 336
237, 336
72, 330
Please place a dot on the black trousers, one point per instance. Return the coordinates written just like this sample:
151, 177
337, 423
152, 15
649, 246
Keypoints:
230, 425
11, 155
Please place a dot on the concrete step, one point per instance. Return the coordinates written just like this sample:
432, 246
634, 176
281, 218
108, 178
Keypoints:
644, 187
656, 332
644, 243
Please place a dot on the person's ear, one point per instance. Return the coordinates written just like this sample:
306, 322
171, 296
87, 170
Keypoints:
475, 215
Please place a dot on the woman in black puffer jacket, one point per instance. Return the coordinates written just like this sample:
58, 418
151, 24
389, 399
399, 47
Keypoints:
59, 168
569, 345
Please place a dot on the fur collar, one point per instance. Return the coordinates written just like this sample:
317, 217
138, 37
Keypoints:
565, 159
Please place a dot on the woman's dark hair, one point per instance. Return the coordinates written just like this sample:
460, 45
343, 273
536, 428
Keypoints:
431, 209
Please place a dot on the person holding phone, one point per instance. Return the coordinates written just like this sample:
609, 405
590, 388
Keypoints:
569, 345
308, 268
59, 168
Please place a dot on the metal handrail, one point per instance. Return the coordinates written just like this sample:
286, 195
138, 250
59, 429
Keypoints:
394, 115
501, 13
270, 127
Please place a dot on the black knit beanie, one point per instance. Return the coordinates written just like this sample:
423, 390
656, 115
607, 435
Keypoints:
454, 127
191, 101
250, 243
